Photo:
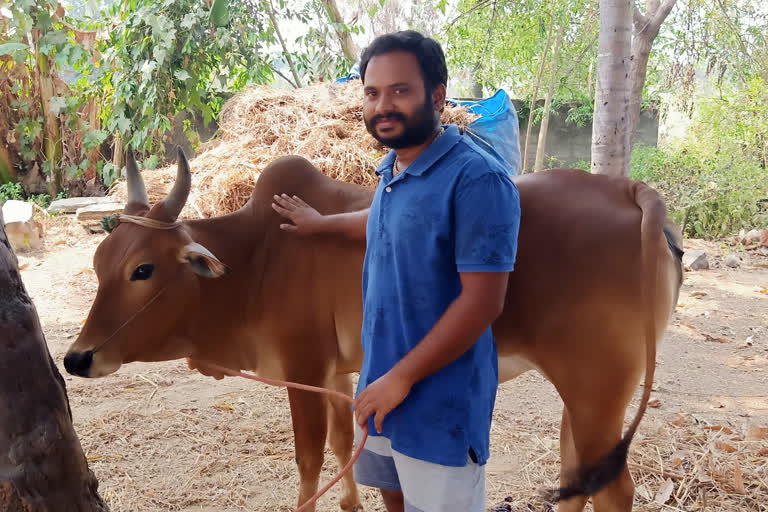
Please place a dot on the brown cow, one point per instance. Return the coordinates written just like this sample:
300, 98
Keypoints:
596, 280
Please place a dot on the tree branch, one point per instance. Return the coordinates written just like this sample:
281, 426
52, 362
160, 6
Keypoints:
273, 19
477, 6
737, 32
638, 19
347, 45
576, 62
487, 41
282, 75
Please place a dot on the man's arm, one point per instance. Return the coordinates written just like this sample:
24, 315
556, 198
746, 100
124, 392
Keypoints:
474, 310
308, 221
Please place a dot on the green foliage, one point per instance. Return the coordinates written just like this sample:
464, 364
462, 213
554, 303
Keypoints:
14, 191
718, 174
41, 200
501, 43
41, 42
166, 57
11, 191
714, 193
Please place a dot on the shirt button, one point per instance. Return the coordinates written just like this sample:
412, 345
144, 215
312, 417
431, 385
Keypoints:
388, 189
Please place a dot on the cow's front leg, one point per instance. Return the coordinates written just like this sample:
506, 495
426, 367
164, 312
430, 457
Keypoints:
341, 437
308, 413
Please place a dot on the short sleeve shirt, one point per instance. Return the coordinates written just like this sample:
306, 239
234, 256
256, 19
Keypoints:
454, 209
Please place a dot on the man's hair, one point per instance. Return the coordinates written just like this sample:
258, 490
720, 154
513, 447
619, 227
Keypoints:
427, 51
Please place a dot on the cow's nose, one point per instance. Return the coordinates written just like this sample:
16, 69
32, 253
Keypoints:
79, 363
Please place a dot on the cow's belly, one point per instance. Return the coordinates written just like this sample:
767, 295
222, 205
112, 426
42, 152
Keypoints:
512, 366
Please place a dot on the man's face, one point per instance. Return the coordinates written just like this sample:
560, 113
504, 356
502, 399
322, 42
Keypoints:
396, 108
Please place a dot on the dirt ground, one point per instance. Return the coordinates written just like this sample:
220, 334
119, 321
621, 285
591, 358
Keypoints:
160, 437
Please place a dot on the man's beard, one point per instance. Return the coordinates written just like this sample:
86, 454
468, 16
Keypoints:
416, 129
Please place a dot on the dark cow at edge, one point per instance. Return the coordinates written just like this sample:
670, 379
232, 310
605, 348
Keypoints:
596, 281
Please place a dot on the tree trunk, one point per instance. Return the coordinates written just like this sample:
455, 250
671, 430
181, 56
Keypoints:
536, 86
42, 465
541, 142
610, 125
646, 29
118, 157
345, 38
542, 67
51, 131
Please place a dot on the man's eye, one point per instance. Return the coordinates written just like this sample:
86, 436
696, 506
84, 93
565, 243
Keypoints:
143, 272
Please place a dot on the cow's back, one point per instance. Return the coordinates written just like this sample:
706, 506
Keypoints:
314, 281
578, 271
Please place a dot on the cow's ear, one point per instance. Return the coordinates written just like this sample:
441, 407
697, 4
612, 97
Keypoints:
202, 261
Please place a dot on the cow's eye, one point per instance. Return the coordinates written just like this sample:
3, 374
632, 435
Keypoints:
143, 272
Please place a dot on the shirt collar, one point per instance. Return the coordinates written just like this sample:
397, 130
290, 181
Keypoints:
428, 157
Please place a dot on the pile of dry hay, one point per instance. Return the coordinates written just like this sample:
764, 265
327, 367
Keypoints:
323, 123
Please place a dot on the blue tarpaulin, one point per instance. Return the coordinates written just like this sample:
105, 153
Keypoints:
497, 129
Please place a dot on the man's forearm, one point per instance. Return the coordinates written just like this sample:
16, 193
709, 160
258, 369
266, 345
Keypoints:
351, 224
457, 330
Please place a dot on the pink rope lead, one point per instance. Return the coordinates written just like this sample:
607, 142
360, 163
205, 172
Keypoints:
275, 382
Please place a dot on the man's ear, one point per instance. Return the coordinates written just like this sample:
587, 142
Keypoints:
438, 97
203, 262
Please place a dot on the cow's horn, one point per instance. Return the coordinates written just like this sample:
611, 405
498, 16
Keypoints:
134, 182
177, 197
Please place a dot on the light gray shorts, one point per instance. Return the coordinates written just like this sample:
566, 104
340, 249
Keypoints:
427, 487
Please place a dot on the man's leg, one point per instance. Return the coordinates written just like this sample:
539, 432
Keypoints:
429, 487
393, 500
376, 468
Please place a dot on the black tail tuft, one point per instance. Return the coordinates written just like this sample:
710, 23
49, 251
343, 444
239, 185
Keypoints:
591, 479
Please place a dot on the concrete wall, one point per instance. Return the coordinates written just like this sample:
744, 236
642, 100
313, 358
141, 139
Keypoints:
568, 143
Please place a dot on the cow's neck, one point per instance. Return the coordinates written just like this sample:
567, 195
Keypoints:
223, 319
230, 238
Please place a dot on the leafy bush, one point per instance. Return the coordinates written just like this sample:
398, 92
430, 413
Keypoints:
711, 193
10, 191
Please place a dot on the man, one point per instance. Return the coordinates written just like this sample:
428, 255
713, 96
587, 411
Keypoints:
441, 238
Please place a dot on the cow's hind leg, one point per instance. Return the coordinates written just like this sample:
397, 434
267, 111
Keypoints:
569, 462
341, 437
594, 434
308, 414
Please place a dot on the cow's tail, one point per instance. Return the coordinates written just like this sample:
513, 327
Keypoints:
590, 479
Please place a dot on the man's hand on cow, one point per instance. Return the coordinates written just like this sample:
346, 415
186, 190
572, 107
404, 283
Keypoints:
380, 397
306, 220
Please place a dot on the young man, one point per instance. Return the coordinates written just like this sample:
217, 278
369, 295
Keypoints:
441, 238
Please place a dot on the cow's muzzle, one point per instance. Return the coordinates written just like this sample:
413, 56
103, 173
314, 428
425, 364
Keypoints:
79, 363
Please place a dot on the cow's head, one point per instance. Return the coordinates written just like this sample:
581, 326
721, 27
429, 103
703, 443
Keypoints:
149, 271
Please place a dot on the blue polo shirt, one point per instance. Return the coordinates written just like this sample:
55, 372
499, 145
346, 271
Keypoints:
454, 209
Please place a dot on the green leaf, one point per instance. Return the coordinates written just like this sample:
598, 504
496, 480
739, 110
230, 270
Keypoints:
182, 75
219, 14
71, 171
93, 138
189, 20
109, 173
57, 104
10, 48
123, 124
151, 163
160, 54
55, 37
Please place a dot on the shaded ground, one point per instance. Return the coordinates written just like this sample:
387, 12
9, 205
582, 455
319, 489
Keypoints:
160, 437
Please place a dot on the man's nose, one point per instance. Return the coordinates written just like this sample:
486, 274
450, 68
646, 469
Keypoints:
385, 104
